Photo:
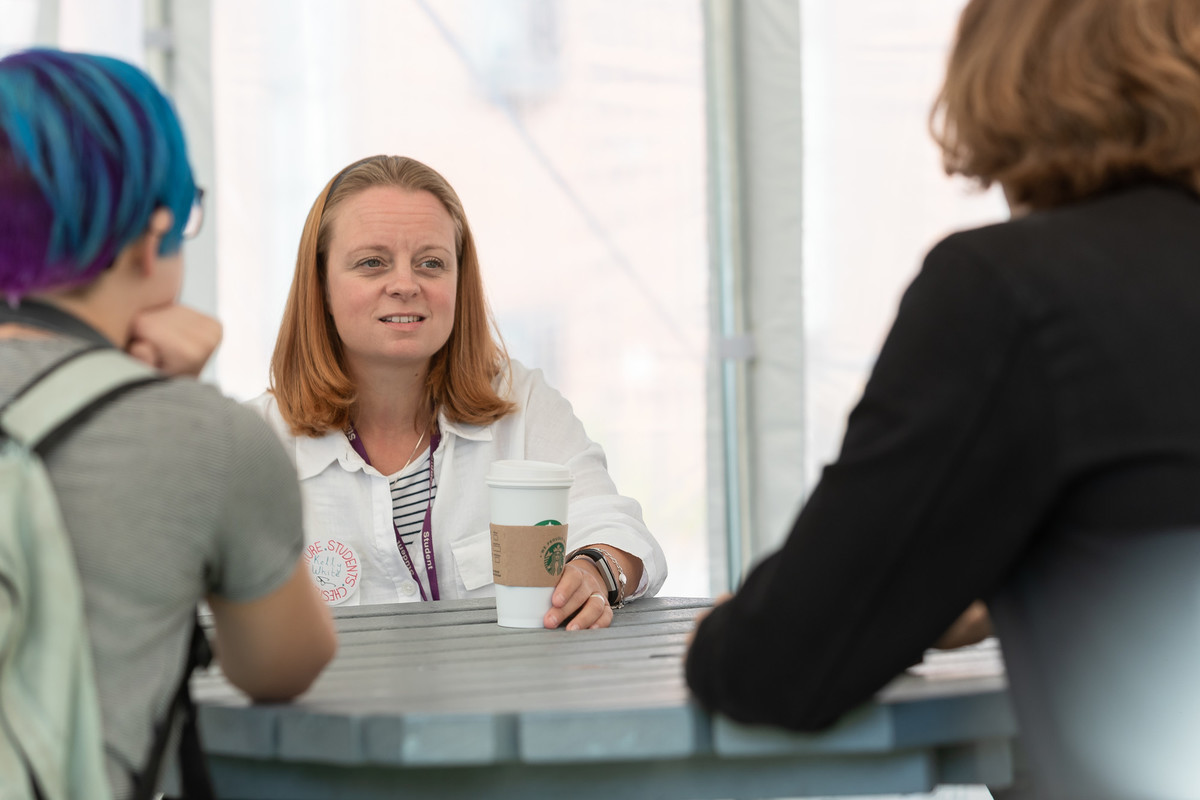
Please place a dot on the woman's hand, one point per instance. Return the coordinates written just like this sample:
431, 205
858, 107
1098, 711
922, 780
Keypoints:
580, 591
973, 625
175, 339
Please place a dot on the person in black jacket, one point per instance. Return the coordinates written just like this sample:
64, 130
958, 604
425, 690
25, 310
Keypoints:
1030, 434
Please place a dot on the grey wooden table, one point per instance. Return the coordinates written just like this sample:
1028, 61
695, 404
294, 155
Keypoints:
434, 700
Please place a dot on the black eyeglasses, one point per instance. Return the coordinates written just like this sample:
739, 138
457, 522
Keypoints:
195, 216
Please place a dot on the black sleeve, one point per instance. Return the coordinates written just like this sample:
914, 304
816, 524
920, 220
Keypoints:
944, 472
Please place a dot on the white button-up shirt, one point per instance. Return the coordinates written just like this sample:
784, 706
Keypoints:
348, 503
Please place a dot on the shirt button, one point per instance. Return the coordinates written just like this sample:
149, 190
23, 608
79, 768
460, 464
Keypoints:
408, 588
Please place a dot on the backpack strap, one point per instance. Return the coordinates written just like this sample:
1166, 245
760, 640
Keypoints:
42, 411
194, 780
68, 390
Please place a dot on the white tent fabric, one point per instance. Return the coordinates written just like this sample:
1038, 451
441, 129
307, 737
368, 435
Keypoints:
824, 193
756, 395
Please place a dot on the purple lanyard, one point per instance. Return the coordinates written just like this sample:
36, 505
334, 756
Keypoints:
426, 526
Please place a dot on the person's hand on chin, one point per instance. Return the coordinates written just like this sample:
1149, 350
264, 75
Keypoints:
175, 339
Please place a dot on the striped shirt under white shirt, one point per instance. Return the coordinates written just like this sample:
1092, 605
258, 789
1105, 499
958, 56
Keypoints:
411, 495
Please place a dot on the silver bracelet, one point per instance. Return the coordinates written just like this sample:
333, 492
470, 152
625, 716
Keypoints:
615, 563
610, 571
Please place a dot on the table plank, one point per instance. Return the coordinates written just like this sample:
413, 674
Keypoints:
683, 779
612, 735
439, 701
423, 740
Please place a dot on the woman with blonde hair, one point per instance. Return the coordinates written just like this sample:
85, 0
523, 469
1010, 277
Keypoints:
1030, 434
394, 396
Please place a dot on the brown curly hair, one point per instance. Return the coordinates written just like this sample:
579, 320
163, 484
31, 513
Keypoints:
1057, 100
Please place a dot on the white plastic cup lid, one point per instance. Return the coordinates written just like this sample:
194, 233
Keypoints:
534, 474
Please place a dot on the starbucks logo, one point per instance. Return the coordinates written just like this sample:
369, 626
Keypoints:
553, 556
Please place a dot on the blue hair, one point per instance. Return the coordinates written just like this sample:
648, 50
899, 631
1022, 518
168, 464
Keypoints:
89, 148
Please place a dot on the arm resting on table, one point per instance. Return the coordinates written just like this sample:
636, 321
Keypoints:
274, 647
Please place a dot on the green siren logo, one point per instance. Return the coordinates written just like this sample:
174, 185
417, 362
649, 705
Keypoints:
552, 556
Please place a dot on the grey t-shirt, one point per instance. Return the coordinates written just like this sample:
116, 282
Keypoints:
170, 492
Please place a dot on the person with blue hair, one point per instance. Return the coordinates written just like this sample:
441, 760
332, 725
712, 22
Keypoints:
84, 177
171, 493
86, 174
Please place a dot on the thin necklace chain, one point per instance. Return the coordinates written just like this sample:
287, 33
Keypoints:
416, 447
413, 454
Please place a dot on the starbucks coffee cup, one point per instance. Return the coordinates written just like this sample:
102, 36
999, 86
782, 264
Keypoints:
528, 502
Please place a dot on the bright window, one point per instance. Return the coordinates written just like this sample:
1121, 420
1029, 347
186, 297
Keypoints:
876, 198
20, 21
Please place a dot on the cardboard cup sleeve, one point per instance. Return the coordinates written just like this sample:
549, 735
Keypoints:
528, 555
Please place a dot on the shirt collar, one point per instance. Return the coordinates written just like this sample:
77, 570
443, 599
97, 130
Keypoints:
474, 433
37, 314
315, 454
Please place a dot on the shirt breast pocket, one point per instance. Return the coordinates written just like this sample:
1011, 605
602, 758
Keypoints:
473, 559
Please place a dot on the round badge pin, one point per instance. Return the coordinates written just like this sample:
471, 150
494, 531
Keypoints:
335, 569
